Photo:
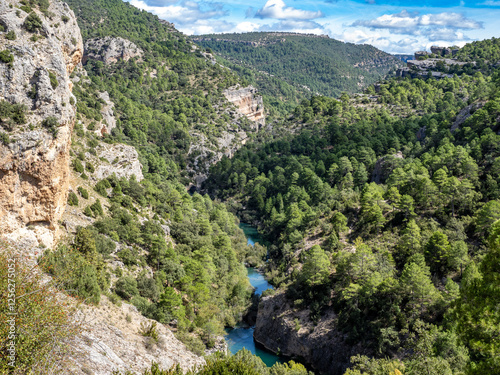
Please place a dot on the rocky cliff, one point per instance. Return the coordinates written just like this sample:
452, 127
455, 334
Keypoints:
113, 342
34, 162
284, 329
248, 103
109, 50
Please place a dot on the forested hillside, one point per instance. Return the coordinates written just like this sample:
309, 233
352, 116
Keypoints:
284, 66
379, 208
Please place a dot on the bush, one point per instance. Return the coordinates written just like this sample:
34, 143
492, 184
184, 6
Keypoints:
74, 272
126, 287
89, 167
101, 187
97, 208
87, 211
78, 167
32, 23
7, 57
65, 18
72, 199
53, 80
44, 321
11, 35
51, 124
83, 192
4, 138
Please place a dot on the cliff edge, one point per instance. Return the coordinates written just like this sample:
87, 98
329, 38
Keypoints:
41, 49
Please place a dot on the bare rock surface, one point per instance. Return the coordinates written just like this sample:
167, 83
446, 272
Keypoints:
112, 342
248, 102
34, 166
283, 328
110, 49
122, 160
108, 115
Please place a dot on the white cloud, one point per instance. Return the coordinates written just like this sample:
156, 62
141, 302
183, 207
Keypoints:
277, 9
184, 12
295, 26
492, 3
407, 21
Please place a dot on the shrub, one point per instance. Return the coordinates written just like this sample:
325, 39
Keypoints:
101, 187
78, 167
4, 138
65, 18
97, 208
83, 192
44, 321
53, 80
89, 167
72, 199
11, 35
149, 330
74, 272
126, 287
32, 23
7, 57
51, 124
87, 211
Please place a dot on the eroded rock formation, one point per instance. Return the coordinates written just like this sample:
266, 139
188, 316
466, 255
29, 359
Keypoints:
34, 164
248, 103
110, 50
285, 329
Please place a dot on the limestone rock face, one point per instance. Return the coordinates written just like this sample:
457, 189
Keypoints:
108, 115
320, 345
123, 161
112, 342
248, 102
34, 166
109, 50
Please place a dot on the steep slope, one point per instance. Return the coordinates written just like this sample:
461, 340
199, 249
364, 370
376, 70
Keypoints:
375, 205
37, 117
168, 95
289, 66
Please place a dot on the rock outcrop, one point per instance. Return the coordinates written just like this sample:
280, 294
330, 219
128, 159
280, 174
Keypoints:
108, 115
248, 103
109, 50
112, 342
282, 328
122, 160
34, 165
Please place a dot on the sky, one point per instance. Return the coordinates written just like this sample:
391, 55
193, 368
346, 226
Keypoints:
394, 26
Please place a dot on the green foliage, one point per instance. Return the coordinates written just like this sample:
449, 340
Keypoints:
126, 287
53, 80
51, 124
7, 57
11, 35
78, 167
324, 65
4, 138
101, 187
44, 323
72, 199
32, 23
83, 192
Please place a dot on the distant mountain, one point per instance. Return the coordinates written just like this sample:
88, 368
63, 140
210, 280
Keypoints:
404, 58
289, 65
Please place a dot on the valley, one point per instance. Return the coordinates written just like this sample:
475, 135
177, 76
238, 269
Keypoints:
132, 157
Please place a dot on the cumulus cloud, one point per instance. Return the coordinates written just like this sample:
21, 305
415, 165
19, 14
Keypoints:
182, 12
279, 10
296, 26
408, 21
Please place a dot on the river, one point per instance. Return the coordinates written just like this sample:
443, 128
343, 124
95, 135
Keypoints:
242, 336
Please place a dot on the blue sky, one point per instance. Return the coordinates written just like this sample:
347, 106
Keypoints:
394, 26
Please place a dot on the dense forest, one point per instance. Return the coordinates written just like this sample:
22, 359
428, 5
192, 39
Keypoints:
285, 66
382, 207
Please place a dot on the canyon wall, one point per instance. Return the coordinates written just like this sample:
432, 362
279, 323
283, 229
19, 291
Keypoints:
34, 162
